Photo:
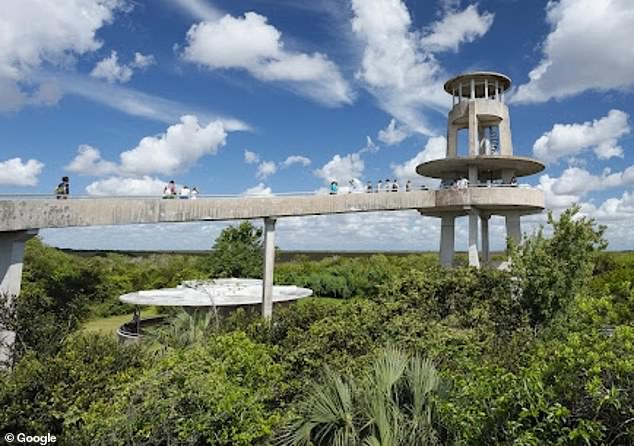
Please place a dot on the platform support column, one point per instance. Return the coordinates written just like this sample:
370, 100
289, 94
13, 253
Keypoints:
513, 227
447, 240
473, 238
269, 266
484, 229
473, 130
11, 261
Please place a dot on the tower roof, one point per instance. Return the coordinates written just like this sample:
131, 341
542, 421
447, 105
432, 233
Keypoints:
452, 84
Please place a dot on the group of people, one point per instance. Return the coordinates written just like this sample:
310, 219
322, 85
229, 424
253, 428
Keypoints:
463, 183
185, 193
387, 186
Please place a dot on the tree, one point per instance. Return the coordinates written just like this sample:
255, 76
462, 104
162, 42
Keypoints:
391, 405
551, 271
237, 252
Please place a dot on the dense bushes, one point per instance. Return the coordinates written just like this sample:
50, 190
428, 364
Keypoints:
540, 354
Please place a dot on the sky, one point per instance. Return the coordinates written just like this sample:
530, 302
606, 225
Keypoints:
281, 96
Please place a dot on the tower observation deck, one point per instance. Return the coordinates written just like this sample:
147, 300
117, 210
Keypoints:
487, 163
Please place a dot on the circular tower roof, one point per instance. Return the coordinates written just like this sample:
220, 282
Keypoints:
452, 84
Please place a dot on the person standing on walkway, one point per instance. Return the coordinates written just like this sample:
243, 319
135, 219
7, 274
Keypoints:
62, 191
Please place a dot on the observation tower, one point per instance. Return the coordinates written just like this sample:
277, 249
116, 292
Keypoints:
481, 179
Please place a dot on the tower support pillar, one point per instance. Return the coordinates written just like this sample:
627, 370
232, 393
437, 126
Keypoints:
269, 265
484, 228
513, 227
11, 262
473, 238
447, 240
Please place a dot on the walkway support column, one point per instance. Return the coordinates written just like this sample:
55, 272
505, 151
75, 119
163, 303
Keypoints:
513, 228
484, 222
473, 238
269, 266
11, 261
447, 240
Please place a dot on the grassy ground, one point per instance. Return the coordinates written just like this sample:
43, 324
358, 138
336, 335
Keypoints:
109, 325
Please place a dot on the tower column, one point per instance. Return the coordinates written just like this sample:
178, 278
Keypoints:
484, 229
11, 262
447, 239
513, 227
473, 129
269, 265
473, 238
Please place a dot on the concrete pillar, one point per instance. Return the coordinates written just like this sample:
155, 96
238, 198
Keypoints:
484, 229
269, 266
473, 238
473, 129
473, 176
11, 259
472, 88
452, 140
447, 240
486, 89
513, 227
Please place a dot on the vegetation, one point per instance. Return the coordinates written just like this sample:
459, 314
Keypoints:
403, 352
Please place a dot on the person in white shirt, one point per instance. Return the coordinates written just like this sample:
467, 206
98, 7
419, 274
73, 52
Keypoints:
379, 186
388, 186
194, 193
395, 186
184, 193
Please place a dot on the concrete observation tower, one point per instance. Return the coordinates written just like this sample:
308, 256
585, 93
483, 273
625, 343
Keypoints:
487, 163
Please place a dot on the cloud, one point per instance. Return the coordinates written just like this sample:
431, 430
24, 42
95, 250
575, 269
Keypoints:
435, 148
601, 135
89, 162
295, 159
250, 43
118, 186
136, 103
199, 9
57, 33
265, 168
392, 135
176, 150
341, 169
14, 172
397, 68
588, 48
251, 157
260, 190
456, 28
112, 71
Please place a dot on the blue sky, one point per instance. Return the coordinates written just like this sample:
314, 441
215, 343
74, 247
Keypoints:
275, 96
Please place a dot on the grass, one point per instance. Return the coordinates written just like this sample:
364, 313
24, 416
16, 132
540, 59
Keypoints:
109, 325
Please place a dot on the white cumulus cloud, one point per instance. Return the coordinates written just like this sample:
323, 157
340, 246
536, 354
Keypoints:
392, 134
176, 150
251, 157
398, 67
36, 32
600, 135
589, 47
341, 168
89, 162
266, 168
250, 43
435, 148
112, 71
14, 172
260, 190
295, 159
145, 186
457, 27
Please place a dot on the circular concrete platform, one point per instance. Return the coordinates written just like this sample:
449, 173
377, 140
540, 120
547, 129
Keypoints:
218, 292
489, 167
